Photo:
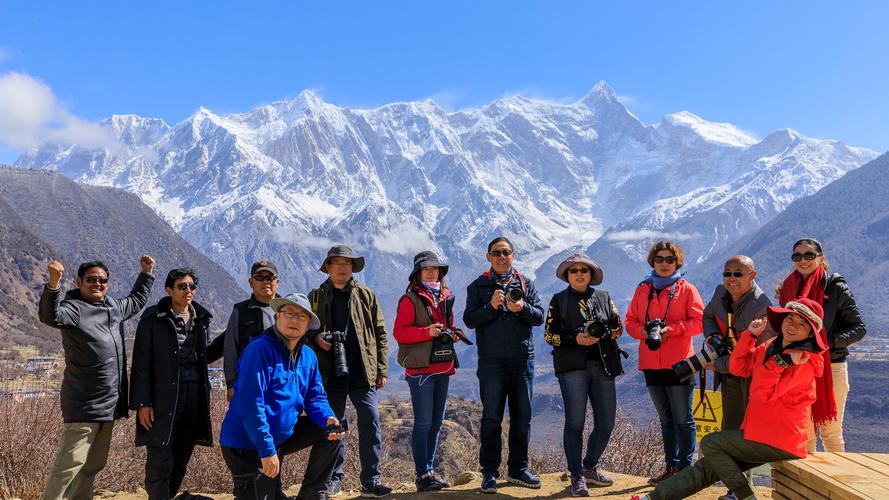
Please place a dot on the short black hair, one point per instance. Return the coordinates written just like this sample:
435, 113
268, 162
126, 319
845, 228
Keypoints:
498, 240
177, 274
86, 266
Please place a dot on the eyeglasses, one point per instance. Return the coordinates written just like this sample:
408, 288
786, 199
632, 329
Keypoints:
186, 286
659, 259
498, 253
729, 274
92, 280
796, 256
295, 315
347, 263
581, 270
265, 277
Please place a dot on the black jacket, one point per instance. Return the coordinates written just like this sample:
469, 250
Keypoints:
155, 373
500, 333
94, 387
564, 320
842, 319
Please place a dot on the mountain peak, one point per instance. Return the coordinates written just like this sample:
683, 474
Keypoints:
723, 133
601, 93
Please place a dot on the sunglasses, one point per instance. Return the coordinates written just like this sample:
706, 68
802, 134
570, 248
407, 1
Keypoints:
581, 270
92, 280
659, 259
265, 277
186, 286
796, 256
498, 253
729, 274
295, 315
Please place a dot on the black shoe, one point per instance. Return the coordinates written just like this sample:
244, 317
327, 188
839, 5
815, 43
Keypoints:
374, 490
441, 479
428, 482
335, 488
524, 478
489, 482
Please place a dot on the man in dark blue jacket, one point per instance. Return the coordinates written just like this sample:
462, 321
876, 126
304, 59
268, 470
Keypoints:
278, 379
502, 306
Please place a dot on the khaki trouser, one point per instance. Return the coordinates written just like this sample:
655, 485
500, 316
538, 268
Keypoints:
82, 453
832, 432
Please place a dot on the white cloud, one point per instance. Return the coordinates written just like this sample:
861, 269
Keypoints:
31, 115
628, 100
647, 234
4, 55
288, 235
402, 239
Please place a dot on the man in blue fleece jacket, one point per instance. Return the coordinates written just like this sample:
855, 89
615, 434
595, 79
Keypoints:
278, 380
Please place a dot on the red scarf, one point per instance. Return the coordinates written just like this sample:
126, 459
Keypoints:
824, 409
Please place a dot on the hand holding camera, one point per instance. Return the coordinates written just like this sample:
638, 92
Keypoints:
336, 429
338, 342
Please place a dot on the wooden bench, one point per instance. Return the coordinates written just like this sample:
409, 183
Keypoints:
824, 476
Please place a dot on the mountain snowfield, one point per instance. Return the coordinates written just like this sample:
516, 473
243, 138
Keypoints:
286, 180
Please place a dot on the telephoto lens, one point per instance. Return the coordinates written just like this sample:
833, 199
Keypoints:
338, 340
688, 367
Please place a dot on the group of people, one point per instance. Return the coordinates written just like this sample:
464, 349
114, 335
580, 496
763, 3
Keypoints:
291, 362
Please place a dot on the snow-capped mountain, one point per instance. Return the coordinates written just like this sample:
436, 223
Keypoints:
286, 180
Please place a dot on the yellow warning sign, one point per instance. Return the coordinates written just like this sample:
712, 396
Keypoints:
707, 412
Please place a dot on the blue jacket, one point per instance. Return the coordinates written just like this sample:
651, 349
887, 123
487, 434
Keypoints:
271, 391
500, 333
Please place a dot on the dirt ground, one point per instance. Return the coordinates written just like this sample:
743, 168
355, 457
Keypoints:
554, 486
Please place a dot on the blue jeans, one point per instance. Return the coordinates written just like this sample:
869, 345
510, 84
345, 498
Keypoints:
578, 387
429, 396
501, 379
673, 405
370, 447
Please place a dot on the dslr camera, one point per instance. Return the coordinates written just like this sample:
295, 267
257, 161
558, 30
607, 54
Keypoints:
714, 347
513, 293
653, 329
449, 335
338, 340
596, 329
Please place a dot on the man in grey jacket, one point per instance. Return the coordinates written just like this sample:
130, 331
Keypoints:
735, 303
94, 387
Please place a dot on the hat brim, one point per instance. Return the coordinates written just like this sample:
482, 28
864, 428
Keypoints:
595, 279
776, 317
278, 302
357, 263
261, 269
442, 271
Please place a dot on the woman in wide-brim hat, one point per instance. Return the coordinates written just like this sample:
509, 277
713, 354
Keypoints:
425, 314
582, 325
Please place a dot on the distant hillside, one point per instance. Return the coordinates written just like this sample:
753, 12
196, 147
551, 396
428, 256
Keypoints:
45, 215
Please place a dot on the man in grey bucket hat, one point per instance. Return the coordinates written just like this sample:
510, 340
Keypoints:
350, 310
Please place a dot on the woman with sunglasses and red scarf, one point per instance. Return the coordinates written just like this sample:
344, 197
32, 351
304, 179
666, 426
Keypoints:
811, 278
664, 315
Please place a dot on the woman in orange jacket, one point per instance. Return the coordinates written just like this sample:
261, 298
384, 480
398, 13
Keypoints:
782, 389
665, 313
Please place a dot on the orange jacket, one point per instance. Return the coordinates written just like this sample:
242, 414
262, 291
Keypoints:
685, 319
778, 413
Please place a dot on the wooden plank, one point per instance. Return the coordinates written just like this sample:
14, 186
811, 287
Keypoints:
851, 481
818, 480
802, 489
790, 492
873, 472
879, 469
879, 457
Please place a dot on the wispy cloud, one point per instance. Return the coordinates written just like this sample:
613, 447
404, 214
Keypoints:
31, 115
404, 238
4, 54
647, 234
298, 238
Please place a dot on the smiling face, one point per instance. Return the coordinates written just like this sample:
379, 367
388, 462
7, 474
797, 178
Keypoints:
736, 285
429, 274
805, 266
795, 328
579, 277
94, 284
501, 257
182, 292
264, 285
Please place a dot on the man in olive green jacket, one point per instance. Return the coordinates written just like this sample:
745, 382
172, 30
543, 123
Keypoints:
353, 355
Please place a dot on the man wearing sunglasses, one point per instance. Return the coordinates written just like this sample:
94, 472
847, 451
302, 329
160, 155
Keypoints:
247, 320
502, 323
169, 385
734, 304
94, 387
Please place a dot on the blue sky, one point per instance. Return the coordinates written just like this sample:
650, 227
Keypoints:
818, 67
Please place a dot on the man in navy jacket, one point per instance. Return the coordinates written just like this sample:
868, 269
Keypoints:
278, 379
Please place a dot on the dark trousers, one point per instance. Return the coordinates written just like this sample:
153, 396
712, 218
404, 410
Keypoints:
502, 379
166, 465
726, 456
429, 396
673, 405
735, 394
370, 442
246, 467
578, 387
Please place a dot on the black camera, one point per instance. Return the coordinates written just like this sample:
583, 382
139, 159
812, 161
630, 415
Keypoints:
338, 340
513, 293
596, 329
688, 367
719, 345
653, 329
449, 335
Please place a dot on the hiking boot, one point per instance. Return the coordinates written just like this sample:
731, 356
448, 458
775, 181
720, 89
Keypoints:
427, 482
374, 489
578, 487
524, 478
597, 477
489, 482
728, 496
668, 472
335, 488
442, 480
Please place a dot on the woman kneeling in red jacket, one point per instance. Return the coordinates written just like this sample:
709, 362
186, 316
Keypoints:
782, 391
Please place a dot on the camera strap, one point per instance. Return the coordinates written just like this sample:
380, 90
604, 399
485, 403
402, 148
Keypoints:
669, 300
